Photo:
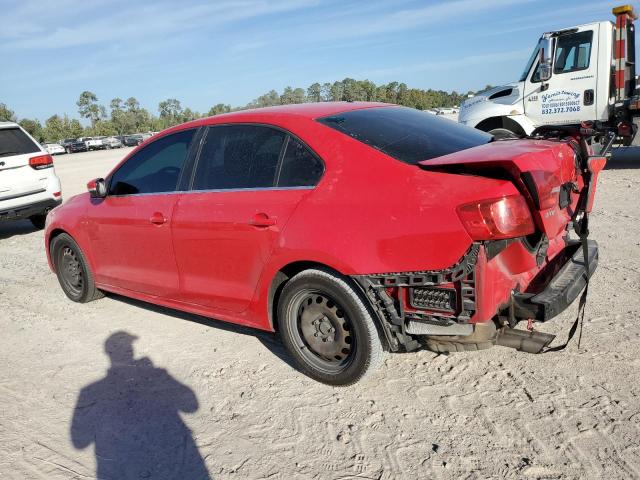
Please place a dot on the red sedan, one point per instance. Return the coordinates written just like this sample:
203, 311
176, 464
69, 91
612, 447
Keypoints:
350, 228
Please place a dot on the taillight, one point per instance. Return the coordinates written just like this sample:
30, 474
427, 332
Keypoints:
41, 161
545, 189
505, 217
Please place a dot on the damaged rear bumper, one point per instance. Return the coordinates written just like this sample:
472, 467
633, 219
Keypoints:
563, 287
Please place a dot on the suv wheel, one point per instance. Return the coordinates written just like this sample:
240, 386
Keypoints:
38, 221
327, 329
73, 271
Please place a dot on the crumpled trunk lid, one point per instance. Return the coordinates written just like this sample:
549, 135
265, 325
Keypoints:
545, 172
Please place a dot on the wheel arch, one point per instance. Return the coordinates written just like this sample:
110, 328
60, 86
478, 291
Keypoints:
56, 232
282, 276
505, 122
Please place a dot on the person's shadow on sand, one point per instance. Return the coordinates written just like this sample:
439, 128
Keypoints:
132, 416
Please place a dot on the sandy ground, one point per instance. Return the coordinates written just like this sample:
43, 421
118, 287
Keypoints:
203, 394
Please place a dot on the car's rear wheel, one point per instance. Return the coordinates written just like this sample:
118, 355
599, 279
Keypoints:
327, 328
73, 271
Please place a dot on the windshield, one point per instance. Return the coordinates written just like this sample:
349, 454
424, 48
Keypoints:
532, 58
406, 134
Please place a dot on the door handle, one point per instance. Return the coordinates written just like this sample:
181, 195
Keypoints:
157, 218
262, 220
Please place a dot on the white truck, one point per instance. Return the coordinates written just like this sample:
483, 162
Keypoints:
580, 74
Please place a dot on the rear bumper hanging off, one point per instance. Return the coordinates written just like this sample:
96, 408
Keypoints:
563, 288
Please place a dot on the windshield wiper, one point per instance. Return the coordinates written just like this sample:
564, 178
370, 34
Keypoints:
4, 154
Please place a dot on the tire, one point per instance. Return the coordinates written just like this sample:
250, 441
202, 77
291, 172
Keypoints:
73, 270
38, 221
503, 134
327, 328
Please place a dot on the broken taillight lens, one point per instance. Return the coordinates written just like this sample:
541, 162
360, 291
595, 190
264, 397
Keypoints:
497, 218
546, 188
41, 161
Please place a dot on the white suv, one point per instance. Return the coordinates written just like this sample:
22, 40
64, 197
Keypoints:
29, 186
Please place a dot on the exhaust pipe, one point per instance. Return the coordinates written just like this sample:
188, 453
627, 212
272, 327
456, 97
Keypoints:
523, 340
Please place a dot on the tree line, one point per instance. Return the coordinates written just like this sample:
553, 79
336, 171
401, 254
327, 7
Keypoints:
124, 117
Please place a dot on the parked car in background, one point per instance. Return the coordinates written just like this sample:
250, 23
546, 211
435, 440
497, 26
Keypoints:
111, 142
66, 142
273, 218
77, 146
95, 143
29, 186
133, 140
54, 148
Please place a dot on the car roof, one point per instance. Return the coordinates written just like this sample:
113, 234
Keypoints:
304, 110
309, 111
8, 125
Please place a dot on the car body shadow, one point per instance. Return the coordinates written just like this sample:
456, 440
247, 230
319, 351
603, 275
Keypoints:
132, 417
15, 228
269, 340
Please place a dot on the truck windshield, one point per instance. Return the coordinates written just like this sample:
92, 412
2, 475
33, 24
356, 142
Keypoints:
533, 58
406, 134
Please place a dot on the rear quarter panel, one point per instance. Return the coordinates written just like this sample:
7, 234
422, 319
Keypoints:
371, 213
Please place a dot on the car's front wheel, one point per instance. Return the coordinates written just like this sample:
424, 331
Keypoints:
72, 269
327, 328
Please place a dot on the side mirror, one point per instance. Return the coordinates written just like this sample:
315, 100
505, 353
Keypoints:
97, 188
546, 58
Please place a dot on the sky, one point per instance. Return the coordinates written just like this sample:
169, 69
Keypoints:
205, 52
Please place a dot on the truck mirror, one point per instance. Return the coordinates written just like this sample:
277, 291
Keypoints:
546, 56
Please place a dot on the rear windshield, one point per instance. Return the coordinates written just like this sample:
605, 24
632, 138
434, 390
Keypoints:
14, 141
406, 134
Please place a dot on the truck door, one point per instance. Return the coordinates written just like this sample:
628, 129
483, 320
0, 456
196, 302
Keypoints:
570, 94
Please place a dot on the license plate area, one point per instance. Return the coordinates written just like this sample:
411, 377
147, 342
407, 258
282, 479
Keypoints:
433, 298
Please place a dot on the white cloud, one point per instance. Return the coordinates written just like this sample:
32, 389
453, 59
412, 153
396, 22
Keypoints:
117, 22
407, 19
456, 63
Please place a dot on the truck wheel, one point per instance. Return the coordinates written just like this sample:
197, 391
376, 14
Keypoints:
73, 271
502, 134
327, 328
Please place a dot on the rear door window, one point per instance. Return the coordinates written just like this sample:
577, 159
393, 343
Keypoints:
155, 168
406, 134
300, 167
238, 156
13, 141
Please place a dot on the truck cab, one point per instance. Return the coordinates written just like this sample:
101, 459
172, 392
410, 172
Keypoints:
573, 81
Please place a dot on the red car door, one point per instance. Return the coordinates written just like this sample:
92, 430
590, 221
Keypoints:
225, 229
130, 229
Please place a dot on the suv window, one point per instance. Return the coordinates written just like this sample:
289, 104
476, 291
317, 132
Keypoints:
573, 52
154, 169
13, 141
406, 134
300, 167
238, 156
